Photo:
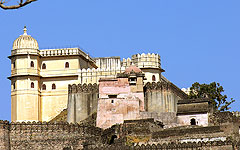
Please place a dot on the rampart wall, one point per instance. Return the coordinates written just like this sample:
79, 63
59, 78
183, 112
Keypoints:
162, 97
47, 136
216, 145
82, 101
160, 101
236, 113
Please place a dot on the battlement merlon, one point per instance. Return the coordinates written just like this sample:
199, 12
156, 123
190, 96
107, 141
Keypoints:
144, 61
66, 52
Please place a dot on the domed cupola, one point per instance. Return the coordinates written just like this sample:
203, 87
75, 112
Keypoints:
25, 42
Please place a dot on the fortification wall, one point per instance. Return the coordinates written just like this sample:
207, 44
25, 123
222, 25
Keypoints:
131, 135
4, 135
47, 136
162, 95
217, 145
82, 101
236, 113
64, 136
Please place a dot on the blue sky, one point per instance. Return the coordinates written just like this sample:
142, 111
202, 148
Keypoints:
197, 40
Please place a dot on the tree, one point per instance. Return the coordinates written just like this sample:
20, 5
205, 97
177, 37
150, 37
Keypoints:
213, 91
21, 3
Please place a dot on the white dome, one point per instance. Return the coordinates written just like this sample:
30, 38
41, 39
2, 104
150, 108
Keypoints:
25, 41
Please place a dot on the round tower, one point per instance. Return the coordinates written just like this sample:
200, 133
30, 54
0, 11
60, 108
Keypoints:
150, 64
25, 79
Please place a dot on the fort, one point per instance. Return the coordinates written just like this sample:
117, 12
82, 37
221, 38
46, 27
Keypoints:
65, 99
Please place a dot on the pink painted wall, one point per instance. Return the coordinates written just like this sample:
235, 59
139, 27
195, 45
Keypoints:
110, 87
126, 106
116, 110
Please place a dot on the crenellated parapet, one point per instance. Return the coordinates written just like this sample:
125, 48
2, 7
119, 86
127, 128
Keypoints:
147, 60
126, 62
54, 127
4, 124
156, 86
87, 88
229, 144
236, 113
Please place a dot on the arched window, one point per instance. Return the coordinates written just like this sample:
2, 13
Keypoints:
153, 78
32, 64
67, 65
53, 86
44, 87
113, 137
32, 85
14, 85
193, 121
14, 64
43, 66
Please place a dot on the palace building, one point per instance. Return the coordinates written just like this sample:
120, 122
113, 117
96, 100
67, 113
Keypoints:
40, 78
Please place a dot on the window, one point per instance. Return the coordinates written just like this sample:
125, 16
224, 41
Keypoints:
14, 85
193, 121
132, 79
67, 65
14, 64
153, 78
32, 64
43, 66
44, 87
112, 139
32, 85
53, 86
112, 96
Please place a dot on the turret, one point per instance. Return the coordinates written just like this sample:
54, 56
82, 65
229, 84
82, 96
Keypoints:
25, 79
150, 64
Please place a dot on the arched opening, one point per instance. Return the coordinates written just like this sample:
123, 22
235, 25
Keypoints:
32, 85
14, 85
67, 65
44, 87
153, 78
32, 64
53, 86
113, 137
193, 121
14, 65
43, 66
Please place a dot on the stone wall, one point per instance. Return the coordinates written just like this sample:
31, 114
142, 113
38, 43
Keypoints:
162, 98
82, 101
217, 145
4, 135
147, 133
219, 118
47, 136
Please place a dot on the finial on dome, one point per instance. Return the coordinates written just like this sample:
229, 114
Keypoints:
25, 30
